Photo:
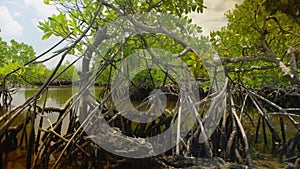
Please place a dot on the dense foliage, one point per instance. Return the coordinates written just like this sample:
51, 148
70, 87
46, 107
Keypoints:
257, 34
75, 17
289, 7
256, 38
15, 55
255, 42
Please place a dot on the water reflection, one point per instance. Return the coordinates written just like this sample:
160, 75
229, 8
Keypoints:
57, 96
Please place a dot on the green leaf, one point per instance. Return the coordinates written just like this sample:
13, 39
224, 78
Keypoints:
72, 52
46, 2
47, 36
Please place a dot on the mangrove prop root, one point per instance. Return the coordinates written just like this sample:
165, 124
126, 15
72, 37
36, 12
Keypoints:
229, 140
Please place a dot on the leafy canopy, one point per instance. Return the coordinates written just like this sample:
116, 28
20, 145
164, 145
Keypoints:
253, 32
75, 16
15, 55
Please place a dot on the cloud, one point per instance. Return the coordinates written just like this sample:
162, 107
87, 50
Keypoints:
16, 14
42, 11
213, 16
10, 28
35, 22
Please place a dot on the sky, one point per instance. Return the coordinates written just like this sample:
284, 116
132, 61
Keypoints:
19, 20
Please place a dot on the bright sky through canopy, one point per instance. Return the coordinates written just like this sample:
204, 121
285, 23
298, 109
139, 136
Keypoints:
19, 19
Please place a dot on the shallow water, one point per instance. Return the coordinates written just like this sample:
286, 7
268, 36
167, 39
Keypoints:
57, 96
